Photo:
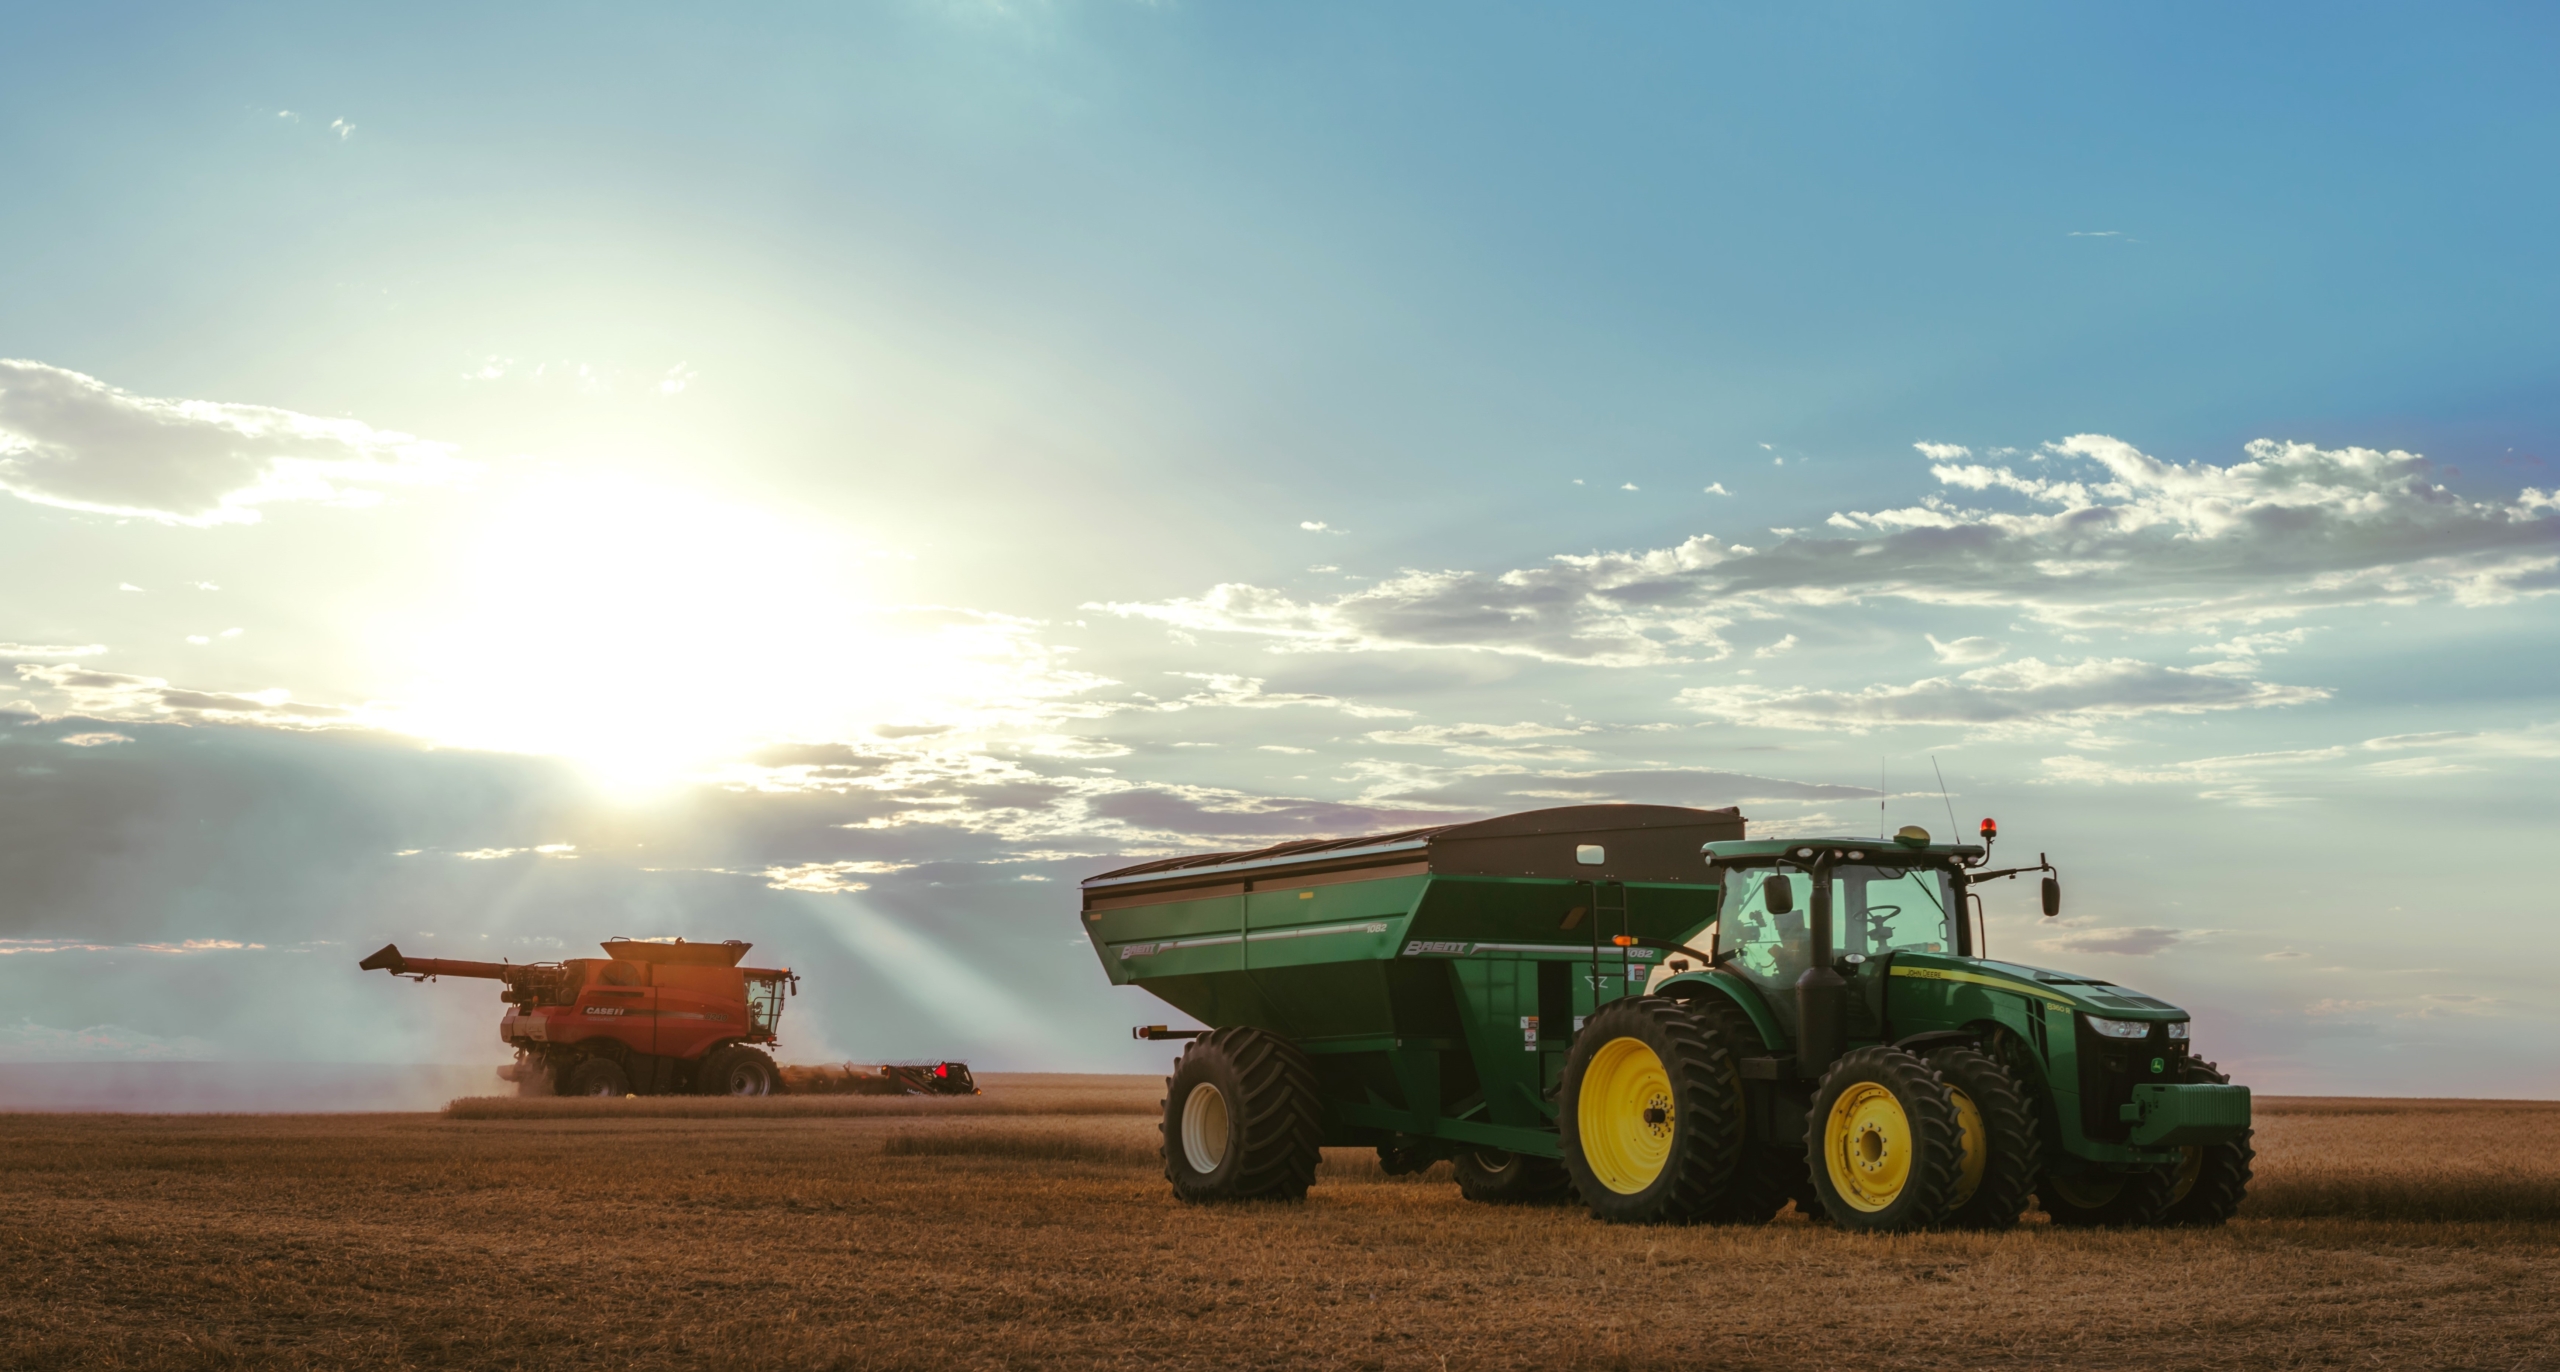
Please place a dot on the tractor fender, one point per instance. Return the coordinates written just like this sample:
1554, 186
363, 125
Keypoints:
1938, 1038
1745, 996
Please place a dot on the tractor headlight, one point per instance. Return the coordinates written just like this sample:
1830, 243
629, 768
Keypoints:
2177, 1031
2121, 1028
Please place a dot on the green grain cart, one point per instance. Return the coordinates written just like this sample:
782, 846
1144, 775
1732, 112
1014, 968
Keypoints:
1636, 1005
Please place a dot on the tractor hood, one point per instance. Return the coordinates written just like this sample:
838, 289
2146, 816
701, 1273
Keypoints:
2088, 995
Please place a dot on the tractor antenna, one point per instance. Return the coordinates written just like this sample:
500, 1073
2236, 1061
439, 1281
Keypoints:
1879, 797
1942, 795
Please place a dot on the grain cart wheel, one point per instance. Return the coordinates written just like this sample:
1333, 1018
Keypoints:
1500, 1178
1767, 1176
597, 1077
2208, 1184
2002, 1152
1886, 1152
1652, 1117
1241, 1119
2108, 1200
736, 1070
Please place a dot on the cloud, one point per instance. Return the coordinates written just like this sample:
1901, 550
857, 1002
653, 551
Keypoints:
2136, 941
1776, 649
2110, 538
829, 878
2022, 696
74, 442
28, 1041
1493, 742
1503, 788
1943, 452
1716, 488
97, 740
1231, 691
1966, 650
116, 696
13, 651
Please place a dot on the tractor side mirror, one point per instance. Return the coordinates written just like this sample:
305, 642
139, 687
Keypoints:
2052, 896
1777, 894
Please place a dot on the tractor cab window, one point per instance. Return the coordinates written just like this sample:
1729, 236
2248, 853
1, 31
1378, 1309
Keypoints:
1772, 950
1880, 910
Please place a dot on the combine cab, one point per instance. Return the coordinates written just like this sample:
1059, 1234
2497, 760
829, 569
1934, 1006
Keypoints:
1635, 1005
646, 1019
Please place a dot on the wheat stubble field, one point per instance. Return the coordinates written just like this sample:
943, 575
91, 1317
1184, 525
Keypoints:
1027, 1229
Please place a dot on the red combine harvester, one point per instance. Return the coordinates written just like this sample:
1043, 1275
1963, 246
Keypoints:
646, 1019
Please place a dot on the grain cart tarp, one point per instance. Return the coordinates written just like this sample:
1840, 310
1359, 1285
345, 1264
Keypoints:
1435, 976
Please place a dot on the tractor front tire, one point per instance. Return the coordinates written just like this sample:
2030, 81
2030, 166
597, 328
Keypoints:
1498, 1178
2002, 1152
1884, 1145
597, 1077
1652, 1117
2213, 1178
736, 1070
1242, 1120
2108, 1200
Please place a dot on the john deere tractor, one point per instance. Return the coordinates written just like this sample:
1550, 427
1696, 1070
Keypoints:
1638, 1007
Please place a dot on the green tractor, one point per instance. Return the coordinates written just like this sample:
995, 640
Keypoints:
1638, 1007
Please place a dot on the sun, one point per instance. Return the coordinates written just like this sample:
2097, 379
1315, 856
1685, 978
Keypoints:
651, 633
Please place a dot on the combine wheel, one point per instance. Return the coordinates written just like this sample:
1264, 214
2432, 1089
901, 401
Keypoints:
1886, 1149
2208, 1184
597, 1077
736, 1070
1242, 1120
2001, 1149
1499, 1178
1652, 1121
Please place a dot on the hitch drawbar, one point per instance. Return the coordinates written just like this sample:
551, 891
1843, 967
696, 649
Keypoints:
1157, 1033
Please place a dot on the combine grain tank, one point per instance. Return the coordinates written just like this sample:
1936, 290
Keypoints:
648, 1018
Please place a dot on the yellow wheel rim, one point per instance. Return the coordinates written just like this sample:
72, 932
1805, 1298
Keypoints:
2190, 1167
2087, 1193
1624, 1111
1867, 1142
1977, 1146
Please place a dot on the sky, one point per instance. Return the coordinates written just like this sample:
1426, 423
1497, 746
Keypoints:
499, 477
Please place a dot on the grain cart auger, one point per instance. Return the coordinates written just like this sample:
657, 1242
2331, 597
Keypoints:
1550, 1001
648, 1018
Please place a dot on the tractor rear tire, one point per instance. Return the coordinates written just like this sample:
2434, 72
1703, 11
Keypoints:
2111, 1200
597, 1077
1498, 1178
2213, 1178
1652, 1117
1766, 1177
736, 1070
1883, 1145
2003, 1153
1242, 1120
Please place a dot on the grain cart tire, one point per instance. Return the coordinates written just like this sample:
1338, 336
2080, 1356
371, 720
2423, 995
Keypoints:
1883, 1145
736, 1070
1766, 1177
1652, 1117
2210, 1182
597, 1077
1499, 1178
2002, 1152
2108, 1200
1242, 1120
